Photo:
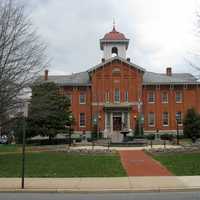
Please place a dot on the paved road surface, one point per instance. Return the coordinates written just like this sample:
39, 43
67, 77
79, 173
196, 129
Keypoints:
102, 196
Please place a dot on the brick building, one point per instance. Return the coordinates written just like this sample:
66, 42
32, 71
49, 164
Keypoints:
115, 92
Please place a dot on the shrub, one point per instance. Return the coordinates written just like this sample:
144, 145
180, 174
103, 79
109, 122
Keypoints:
191, 124
166, 136
150, 136
138, 132
54, 141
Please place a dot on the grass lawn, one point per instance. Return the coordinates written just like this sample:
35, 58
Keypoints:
9, 148
60, 164
181, 164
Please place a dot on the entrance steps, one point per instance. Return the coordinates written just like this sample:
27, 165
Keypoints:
116, 137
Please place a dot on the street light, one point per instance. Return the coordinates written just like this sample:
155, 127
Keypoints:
25, 115
177, 128
70, 129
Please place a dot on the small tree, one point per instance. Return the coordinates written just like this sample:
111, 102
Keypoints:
49, 111
191, 124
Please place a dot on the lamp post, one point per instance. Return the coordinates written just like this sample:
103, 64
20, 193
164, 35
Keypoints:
70, 129
177, 129
25, 115
99, 119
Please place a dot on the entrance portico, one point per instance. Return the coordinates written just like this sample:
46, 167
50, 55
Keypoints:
117, 118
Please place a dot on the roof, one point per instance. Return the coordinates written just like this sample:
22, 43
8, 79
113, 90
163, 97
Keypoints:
114, 35
151, 78
76, 79
115, 58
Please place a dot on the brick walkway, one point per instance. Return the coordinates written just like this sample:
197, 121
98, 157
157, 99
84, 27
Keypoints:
137, 163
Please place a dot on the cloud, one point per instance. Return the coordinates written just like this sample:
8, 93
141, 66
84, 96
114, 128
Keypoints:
160, 32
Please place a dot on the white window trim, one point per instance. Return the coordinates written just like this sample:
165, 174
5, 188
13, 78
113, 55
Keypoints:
151, 102
181, 101
80, 99
151, 125
82, 126
165, 125
126, 99
119, 96
179, 124
164, 102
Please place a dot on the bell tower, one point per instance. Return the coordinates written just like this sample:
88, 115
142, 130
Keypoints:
113, 44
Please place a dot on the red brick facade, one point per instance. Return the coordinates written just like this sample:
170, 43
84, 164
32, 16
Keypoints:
117, 91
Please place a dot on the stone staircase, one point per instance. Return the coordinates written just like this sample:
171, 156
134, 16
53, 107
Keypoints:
116, 137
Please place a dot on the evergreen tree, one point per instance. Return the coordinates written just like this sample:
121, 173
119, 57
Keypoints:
49, 112
138, 132
191, 124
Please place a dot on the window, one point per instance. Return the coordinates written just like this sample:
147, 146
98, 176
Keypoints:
151, 119
165, 119
114, 51
107, 97
126, 96
117, 96
164, 97
82, 99
179, 96
82, 120
151, 97
179, 117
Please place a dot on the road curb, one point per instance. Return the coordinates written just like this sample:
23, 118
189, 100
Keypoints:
99, 191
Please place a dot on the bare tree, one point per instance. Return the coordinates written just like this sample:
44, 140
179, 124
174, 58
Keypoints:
194, 54
22, 55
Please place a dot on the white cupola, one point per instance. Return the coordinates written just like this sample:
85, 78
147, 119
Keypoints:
113, 44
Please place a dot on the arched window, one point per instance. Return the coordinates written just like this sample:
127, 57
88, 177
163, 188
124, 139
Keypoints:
114, 51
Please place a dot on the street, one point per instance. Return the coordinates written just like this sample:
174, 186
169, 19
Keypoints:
100, 196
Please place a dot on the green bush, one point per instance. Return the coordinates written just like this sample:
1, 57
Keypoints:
139, 137
166, 136
130, 138
54, 141
150, 136
191, 124
138, 131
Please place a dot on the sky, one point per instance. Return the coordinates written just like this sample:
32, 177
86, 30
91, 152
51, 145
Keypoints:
162, 33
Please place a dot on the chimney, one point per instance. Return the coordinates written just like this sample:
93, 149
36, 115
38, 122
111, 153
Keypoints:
103, 60
169, 71
128, 59
46, 75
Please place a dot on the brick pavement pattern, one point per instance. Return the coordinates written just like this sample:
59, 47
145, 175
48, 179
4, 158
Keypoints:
137, 163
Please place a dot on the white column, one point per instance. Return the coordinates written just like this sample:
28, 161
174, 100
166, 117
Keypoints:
111, 122
122, 119
106, 118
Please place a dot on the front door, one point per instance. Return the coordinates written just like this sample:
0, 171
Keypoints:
117, 123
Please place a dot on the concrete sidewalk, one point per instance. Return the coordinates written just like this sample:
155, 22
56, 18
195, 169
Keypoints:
125, 148
129, 184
